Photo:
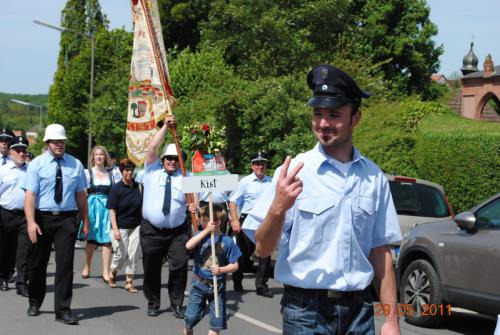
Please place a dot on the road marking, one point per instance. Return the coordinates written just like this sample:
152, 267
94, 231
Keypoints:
255, 322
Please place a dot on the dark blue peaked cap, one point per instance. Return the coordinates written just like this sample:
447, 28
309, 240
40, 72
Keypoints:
259, 156
333, 88
19, 142
6, 134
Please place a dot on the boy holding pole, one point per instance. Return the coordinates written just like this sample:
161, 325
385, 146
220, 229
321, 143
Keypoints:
216, 255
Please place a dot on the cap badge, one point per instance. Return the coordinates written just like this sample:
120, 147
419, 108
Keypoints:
324, 73
324, 87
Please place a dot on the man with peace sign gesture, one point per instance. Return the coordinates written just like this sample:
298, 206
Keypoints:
331, 214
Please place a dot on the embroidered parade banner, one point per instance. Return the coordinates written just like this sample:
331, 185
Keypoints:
147, 98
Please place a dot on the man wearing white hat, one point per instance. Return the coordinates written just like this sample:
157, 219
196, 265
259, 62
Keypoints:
164, 230
55, 192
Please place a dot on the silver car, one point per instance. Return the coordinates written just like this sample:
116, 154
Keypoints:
454, 263
417, 201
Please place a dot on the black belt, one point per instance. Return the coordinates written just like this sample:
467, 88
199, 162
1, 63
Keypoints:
63, 214
14, 211
181, 227
208, 282
323, 292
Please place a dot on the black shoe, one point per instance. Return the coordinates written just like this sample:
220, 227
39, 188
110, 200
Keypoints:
265, 293
22, 291
238, 287
67, 318
153, 312
33, 310
4, 285
178, 311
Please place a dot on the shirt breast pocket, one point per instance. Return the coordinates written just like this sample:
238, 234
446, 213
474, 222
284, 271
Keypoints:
314, 213
364, 209
70, 181
47, 179
177, 194
9, 181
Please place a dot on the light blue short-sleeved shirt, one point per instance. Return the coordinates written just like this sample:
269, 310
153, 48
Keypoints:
154, 181
335, 222
217, 197
41, 180
249, 190
11, 179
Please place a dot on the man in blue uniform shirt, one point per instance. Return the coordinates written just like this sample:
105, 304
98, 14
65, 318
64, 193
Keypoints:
244, 198
164, 230
5, 136
55, 188
14, 241
331, 214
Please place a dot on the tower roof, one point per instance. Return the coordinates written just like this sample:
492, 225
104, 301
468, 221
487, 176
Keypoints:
470, 62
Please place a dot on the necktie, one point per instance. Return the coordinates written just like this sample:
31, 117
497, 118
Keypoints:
58, 190
4, 160
167, 197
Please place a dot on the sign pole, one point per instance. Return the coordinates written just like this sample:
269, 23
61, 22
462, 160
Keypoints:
214, 259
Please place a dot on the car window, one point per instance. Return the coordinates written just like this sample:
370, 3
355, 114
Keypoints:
418, 199
489, 215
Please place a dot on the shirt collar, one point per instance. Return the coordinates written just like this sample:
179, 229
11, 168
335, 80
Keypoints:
11, 165
53, 158
319, 156
257, 179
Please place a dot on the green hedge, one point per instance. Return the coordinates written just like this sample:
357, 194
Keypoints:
461, 155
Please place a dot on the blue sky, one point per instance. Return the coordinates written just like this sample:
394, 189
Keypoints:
29, 56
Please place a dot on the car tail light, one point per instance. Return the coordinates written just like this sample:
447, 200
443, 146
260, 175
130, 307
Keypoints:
452, 213
405, 179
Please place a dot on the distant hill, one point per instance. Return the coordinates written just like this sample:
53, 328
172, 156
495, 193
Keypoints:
21, 117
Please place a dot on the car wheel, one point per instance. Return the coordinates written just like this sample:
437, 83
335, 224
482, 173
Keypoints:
420, 294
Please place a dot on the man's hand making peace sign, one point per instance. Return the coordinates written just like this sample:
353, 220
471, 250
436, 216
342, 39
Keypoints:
288, 188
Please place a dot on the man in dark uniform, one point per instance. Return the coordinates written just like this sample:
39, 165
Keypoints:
244, 198
55, 187
14, 241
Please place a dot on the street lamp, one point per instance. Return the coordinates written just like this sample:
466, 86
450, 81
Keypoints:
91, 36
32, 105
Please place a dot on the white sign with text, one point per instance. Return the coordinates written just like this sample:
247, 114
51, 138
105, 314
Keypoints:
216, 183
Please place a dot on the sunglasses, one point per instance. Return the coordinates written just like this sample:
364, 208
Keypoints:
19, 150
57, 141
171, 158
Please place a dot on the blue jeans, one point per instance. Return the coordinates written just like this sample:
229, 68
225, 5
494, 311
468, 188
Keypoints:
198, 296
312, 313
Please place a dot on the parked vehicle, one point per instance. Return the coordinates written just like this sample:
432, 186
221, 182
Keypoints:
452, 263
417, 201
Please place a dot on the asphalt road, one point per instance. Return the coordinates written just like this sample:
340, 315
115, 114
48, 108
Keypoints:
103, 310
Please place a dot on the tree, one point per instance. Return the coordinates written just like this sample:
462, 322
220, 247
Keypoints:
180, 22
398, 34
109, 107
275, 38
69, 94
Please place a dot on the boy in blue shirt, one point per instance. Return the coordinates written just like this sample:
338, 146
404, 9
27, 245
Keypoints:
202, 290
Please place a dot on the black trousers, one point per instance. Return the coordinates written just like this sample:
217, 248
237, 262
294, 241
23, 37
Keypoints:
14, 245
247, 248
61, 231
156, 244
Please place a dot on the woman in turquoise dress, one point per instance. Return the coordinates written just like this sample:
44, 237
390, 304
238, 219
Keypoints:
100, 181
